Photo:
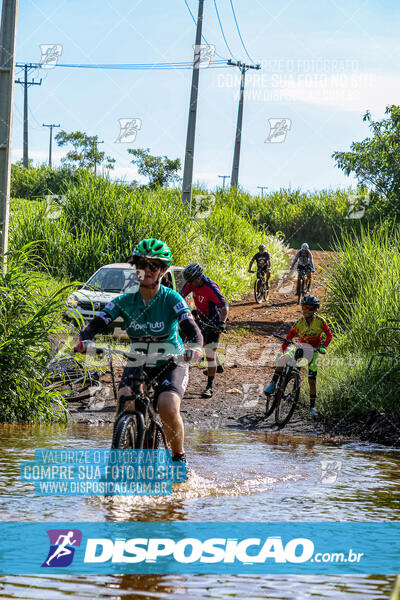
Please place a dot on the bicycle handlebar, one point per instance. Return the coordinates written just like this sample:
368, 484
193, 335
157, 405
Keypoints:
279, 337
139, 355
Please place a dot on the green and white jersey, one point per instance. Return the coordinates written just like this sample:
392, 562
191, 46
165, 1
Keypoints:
153, 328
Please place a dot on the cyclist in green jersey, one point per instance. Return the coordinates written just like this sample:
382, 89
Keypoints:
151, 317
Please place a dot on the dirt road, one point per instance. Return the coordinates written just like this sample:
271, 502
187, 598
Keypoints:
248, 350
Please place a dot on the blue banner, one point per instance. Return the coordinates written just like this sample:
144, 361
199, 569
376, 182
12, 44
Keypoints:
102, 472
163, 548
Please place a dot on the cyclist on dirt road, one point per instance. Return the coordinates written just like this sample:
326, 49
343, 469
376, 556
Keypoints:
211, 315
151, 316
263, 261
310, 328
304, 261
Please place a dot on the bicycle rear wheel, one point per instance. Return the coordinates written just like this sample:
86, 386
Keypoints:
258, 291
287, 399
126, 433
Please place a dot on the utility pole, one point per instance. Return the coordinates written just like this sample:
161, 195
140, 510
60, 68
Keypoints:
223, 177
262, 188
51, 139
7, 67
236, 157
26, 84
95, 144
190, 136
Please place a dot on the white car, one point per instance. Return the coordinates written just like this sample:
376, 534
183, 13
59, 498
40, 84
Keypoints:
106, 284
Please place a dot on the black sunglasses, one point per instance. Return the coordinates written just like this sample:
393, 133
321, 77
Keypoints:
153, 266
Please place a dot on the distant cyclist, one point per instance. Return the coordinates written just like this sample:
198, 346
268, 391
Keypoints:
310, 329
305, 262
211, 315
263, 261
151, 317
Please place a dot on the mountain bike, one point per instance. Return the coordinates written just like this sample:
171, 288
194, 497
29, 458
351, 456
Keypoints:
261, 289
140, 427
75, 380
284, 400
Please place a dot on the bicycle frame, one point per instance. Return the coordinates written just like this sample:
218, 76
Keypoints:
144, 404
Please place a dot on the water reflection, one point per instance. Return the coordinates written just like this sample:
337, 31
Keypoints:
238, 476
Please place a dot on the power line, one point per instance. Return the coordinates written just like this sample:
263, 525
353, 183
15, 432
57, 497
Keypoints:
240, 35
222, 30
136, 67
202, 36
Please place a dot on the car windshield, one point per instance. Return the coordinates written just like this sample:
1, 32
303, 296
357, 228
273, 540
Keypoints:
112, 279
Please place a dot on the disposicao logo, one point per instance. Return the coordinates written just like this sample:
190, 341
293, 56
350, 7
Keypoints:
62, 547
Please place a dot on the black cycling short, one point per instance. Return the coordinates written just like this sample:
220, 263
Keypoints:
210, 336
210, 333
261, 271
305, 268
171, 379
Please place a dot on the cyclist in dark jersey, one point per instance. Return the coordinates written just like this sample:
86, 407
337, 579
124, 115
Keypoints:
211, 316
263, 261
151, 316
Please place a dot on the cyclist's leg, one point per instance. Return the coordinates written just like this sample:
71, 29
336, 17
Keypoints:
169, 395
281, 361
268, 274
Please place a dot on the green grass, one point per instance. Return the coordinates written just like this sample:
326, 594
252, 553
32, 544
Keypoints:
101, 222
30, 309
363, 296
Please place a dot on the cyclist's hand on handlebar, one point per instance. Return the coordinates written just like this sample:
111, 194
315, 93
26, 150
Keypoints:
250, 271
85, 347
192, 354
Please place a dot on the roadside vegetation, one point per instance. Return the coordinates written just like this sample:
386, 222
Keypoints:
30, 308
363, 296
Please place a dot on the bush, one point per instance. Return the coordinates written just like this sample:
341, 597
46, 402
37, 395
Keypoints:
39, 182
28, 314
101, 222
302, 216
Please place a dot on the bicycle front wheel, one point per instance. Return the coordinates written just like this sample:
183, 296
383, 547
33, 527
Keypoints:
125, 433
258, 291
287, 399
155, 437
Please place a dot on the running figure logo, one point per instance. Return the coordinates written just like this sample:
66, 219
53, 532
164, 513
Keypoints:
50, 55
62, 542
128, 130
278, 129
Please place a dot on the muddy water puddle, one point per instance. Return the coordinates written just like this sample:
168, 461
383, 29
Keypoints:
236, 476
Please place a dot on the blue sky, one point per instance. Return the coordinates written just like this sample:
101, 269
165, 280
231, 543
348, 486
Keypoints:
324, 63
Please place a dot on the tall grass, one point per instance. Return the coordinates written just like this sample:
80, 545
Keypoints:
101, 222
363, 296
28, 315
315, 217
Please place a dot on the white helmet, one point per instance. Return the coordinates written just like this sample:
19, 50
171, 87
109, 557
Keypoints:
305, 246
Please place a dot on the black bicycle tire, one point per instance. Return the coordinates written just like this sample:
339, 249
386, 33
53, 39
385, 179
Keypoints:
298, 290
282, 422
155, 437
258, 297
270, 404
126, 425
85, 392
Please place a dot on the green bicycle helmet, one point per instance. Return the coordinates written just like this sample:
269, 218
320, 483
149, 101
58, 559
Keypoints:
152, 248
